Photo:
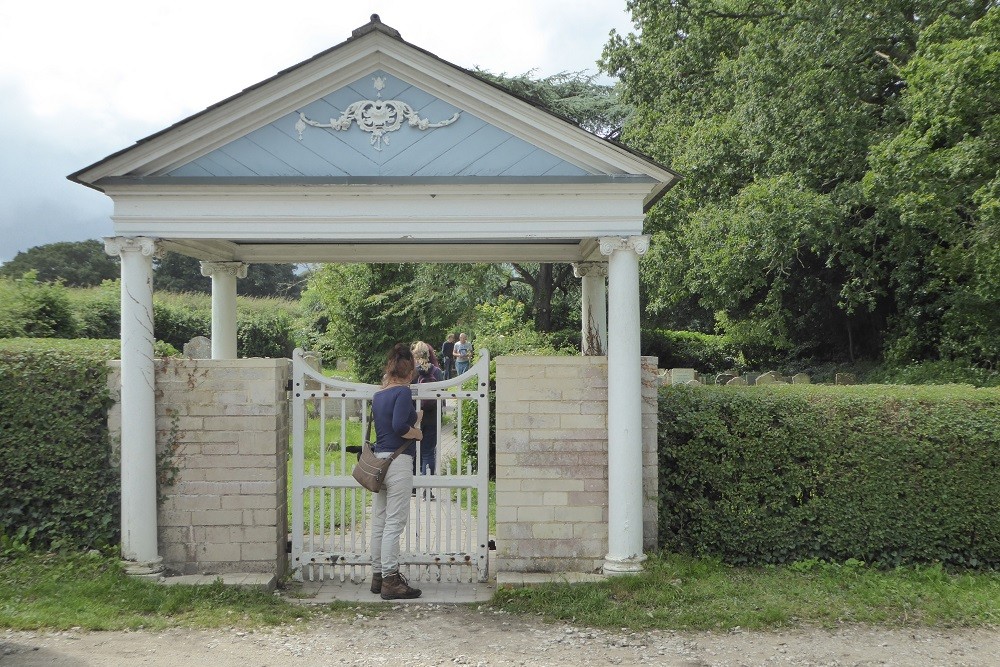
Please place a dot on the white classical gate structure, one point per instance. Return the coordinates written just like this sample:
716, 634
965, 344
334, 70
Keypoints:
447, 537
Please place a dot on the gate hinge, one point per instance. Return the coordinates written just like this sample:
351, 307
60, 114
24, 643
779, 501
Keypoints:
288, 385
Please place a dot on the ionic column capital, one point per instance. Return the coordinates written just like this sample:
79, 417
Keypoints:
235, 269
149, 247
637, 244
596, 269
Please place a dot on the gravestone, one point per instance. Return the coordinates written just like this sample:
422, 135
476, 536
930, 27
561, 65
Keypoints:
693, 383
663, 376
724, 378
198, 347
737, 382
681, 375
768, 378
845, 378
751, 378
801, 378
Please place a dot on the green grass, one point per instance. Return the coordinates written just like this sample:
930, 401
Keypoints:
40, 590
680, 593
51, 591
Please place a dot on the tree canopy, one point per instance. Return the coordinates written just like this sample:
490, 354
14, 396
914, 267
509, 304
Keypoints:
840, 171
75, 263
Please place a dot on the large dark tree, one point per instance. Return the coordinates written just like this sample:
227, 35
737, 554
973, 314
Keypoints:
775, 113
76, 263
180, 273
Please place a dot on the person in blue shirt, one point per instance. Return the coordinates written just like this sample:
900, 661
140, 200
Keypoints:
462, 353
396, 422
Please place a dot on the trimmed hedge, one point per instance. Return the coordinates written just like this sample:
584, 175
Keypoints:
886, 475
57, 483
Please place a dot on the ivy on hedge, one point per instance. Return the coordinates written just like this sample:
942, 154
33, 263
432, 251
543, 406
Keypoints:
887, 475
57, 480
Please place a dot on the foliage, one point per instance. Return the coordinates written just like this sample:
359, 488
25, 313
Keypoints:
675, 592
91, 591
937, 192
57, 481
368, 308
689, 349
73, 263
576, 96
839, 188
936, 372
33, 309
180, 273
886, 475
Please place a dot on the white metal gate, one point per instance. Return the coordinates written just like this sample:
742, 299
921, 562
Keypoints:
446, 538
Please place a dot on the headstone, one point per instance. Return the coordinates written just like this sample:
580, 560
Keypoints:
751, 378
681, 375
737, 382
663, 376
724, 378
801, 378
343, 365
845, 378
693, 383
198, 347
767, 378
313, 360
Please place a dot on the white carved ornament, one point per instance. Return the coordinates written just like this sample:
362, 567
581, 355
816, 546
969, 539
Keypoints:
377, 116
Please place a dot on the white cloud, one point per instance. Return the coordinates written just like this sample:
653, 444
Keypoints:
81, 80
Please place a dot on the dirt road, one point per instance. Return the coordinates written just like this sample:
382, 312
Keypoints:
450, 635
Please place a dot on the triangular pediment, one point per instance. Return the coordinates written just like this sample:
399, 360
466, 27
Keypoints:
377, 126
255, 135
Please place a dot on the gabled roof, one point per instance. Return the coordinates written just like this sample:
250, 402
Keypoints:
372, 47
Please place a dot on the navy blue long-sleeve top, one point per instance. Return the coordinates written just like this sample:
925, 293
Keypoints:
394, 414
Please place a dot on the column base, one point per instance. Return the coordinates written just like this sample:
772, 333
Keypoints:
614, 566
143, 568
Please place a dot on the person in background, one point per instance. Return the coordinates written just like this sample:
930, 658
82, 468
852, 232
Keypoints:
396, 421
462, 353
447, 347
426, 370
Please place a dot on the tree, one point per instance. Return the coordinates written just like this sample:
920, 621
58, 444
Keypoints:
180, 273
771, 111
75, 263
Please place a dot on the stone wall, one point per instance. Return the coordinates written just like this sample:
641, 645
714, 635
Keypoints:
224, 425
552, 462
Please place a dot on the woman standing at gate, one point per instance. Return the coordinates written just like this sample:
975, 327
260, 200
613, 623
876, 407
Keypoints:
396, 422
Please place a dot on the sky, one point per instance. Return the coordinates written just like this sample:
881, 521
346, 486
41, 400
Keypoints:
82, 80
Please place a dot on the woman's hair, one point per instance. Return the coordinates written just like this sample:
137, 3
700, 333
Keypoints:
399, 364
422, 350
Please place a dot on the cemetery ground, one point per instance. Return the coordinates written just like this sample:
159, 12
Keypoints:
80, 610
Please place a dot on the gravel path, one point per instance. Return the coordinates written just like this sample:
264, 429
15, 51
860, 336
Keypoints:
453, 635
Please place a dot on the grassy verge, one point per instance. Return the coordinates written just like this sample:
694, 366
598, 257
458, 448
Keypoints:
681, 593
91, 592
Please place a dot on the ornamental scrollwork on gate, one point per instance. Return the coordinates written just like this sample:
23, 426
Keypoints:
377, 116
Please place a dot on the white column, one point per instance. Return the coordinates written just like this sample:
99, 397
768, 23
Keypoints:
138, 401
624, 405
594, 307
224, 275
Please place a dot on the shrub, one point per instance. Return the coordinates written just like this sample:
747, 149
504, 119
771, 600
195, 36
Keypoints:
32, 309
937, 372
688, 349
887, 475
57, 483
264, 333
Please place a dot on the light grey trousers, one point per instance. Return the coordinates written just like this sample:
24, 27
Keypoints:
390, 513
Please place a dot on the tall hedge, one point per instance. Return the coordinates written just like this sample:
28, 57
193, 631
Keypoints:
887, 475
57, 480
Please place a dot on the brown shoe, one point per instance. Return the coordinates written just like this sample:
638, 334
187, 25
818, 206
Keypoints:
376, 582
394, 587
